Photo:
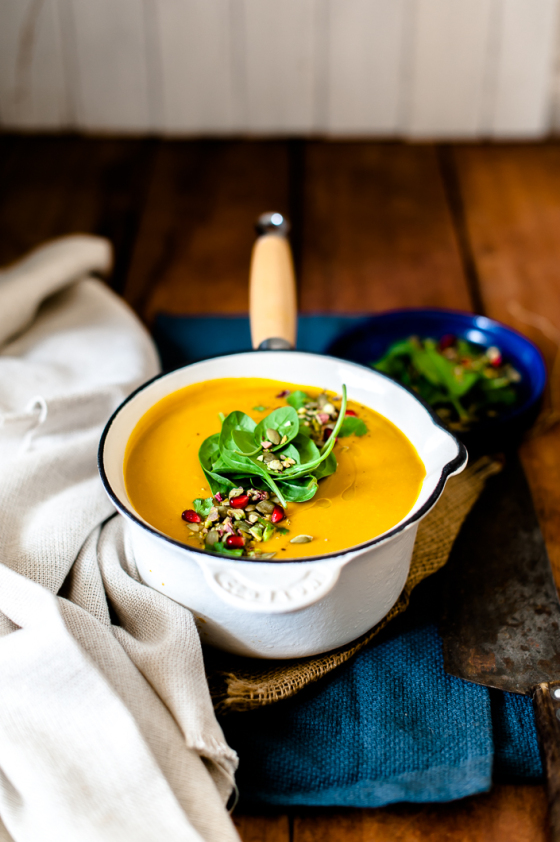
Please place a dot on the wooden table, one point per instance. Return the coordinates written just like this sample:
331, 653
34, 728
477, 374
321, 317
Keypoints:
376, 225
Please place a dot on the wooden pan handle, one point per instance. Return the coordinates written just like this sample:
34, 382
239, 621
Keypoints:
546, 705
272, 286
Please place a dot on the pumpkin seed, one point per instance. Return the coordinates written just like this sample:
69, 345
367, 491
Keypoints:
243, 526
265, 507
213, 537
273, 436
269, 457
301, 539
236, 514
269, 531
256, 532
235, 492
253, 517
264, 556
250, 508
275, 465
194, 527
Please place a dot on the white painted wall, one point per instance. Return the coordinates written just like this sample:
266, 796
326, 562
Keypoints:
342, 68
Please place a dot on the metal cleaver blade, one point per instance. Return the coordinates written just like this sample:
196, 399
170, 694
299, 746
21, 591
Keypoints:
501, 624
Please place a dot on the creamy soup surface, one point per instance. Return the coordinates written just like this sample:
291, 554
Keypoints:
376, 484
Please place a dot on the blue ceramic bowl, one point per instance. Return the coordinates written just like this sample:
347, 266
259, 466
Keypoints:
369, 341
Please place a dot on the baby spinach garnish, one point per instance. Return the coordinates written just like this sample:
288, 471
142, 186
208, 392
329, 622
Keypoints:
253, 470
286, 461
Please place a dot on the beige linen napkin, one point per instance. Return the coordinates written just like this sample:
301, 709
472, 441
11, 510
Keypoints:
107, 730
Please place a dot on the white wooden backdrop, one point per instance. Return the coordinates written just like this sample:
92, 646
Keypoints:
405, 68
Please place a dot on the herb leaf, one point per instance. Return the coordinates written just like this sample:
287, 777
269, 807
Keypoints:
202, 506
352, 426
297, 399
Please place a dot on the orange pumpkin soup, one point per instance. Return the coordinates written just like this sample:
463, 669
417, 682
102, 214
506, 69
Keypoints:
376, 483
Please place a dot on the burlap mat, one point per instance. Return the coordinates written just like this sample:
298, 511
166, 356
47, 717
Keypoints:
240, 684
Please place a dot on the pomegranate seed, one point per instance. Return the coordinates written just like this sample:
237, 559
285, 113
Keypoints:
191, 516
446, 341
351, 412
277, 514
235, 541
283, 394
239, 502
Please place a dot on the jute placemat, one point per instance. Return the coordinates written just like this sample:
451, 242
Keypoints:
241, 684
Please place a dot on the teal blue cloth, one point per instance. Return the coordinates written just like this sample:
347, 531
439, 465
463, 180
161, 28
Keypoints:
183, 339
390, 725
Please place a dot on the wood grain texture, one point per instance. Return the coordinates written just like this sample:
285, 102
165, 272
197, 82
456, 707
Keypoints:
507, 814
512, 212
377, 232
50, 186
263, 828
193, 249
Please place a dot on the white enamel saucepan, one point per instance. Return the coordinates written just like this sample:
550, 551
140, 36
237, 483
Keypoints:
283, 609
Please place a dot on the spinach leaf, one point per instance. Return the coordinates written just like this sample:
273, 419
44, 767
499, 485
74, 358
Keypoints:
284, 420
299, 490
209, 458
298, 399
352, 426
309, 466
229, 458
245, 442
308, 450
326, 468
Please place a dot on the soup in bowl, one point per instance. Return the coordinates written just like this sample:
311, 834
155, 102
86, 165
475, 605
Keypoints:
284, 540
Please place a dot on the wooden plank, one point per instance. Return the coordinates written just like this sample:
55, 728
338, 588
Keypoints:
32, 79
450, 52
507, 814
510, 196
111, 78
196, 65
526, 53
377, 232
263, 828
52, 186
280, 64
365, 58
194, 245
